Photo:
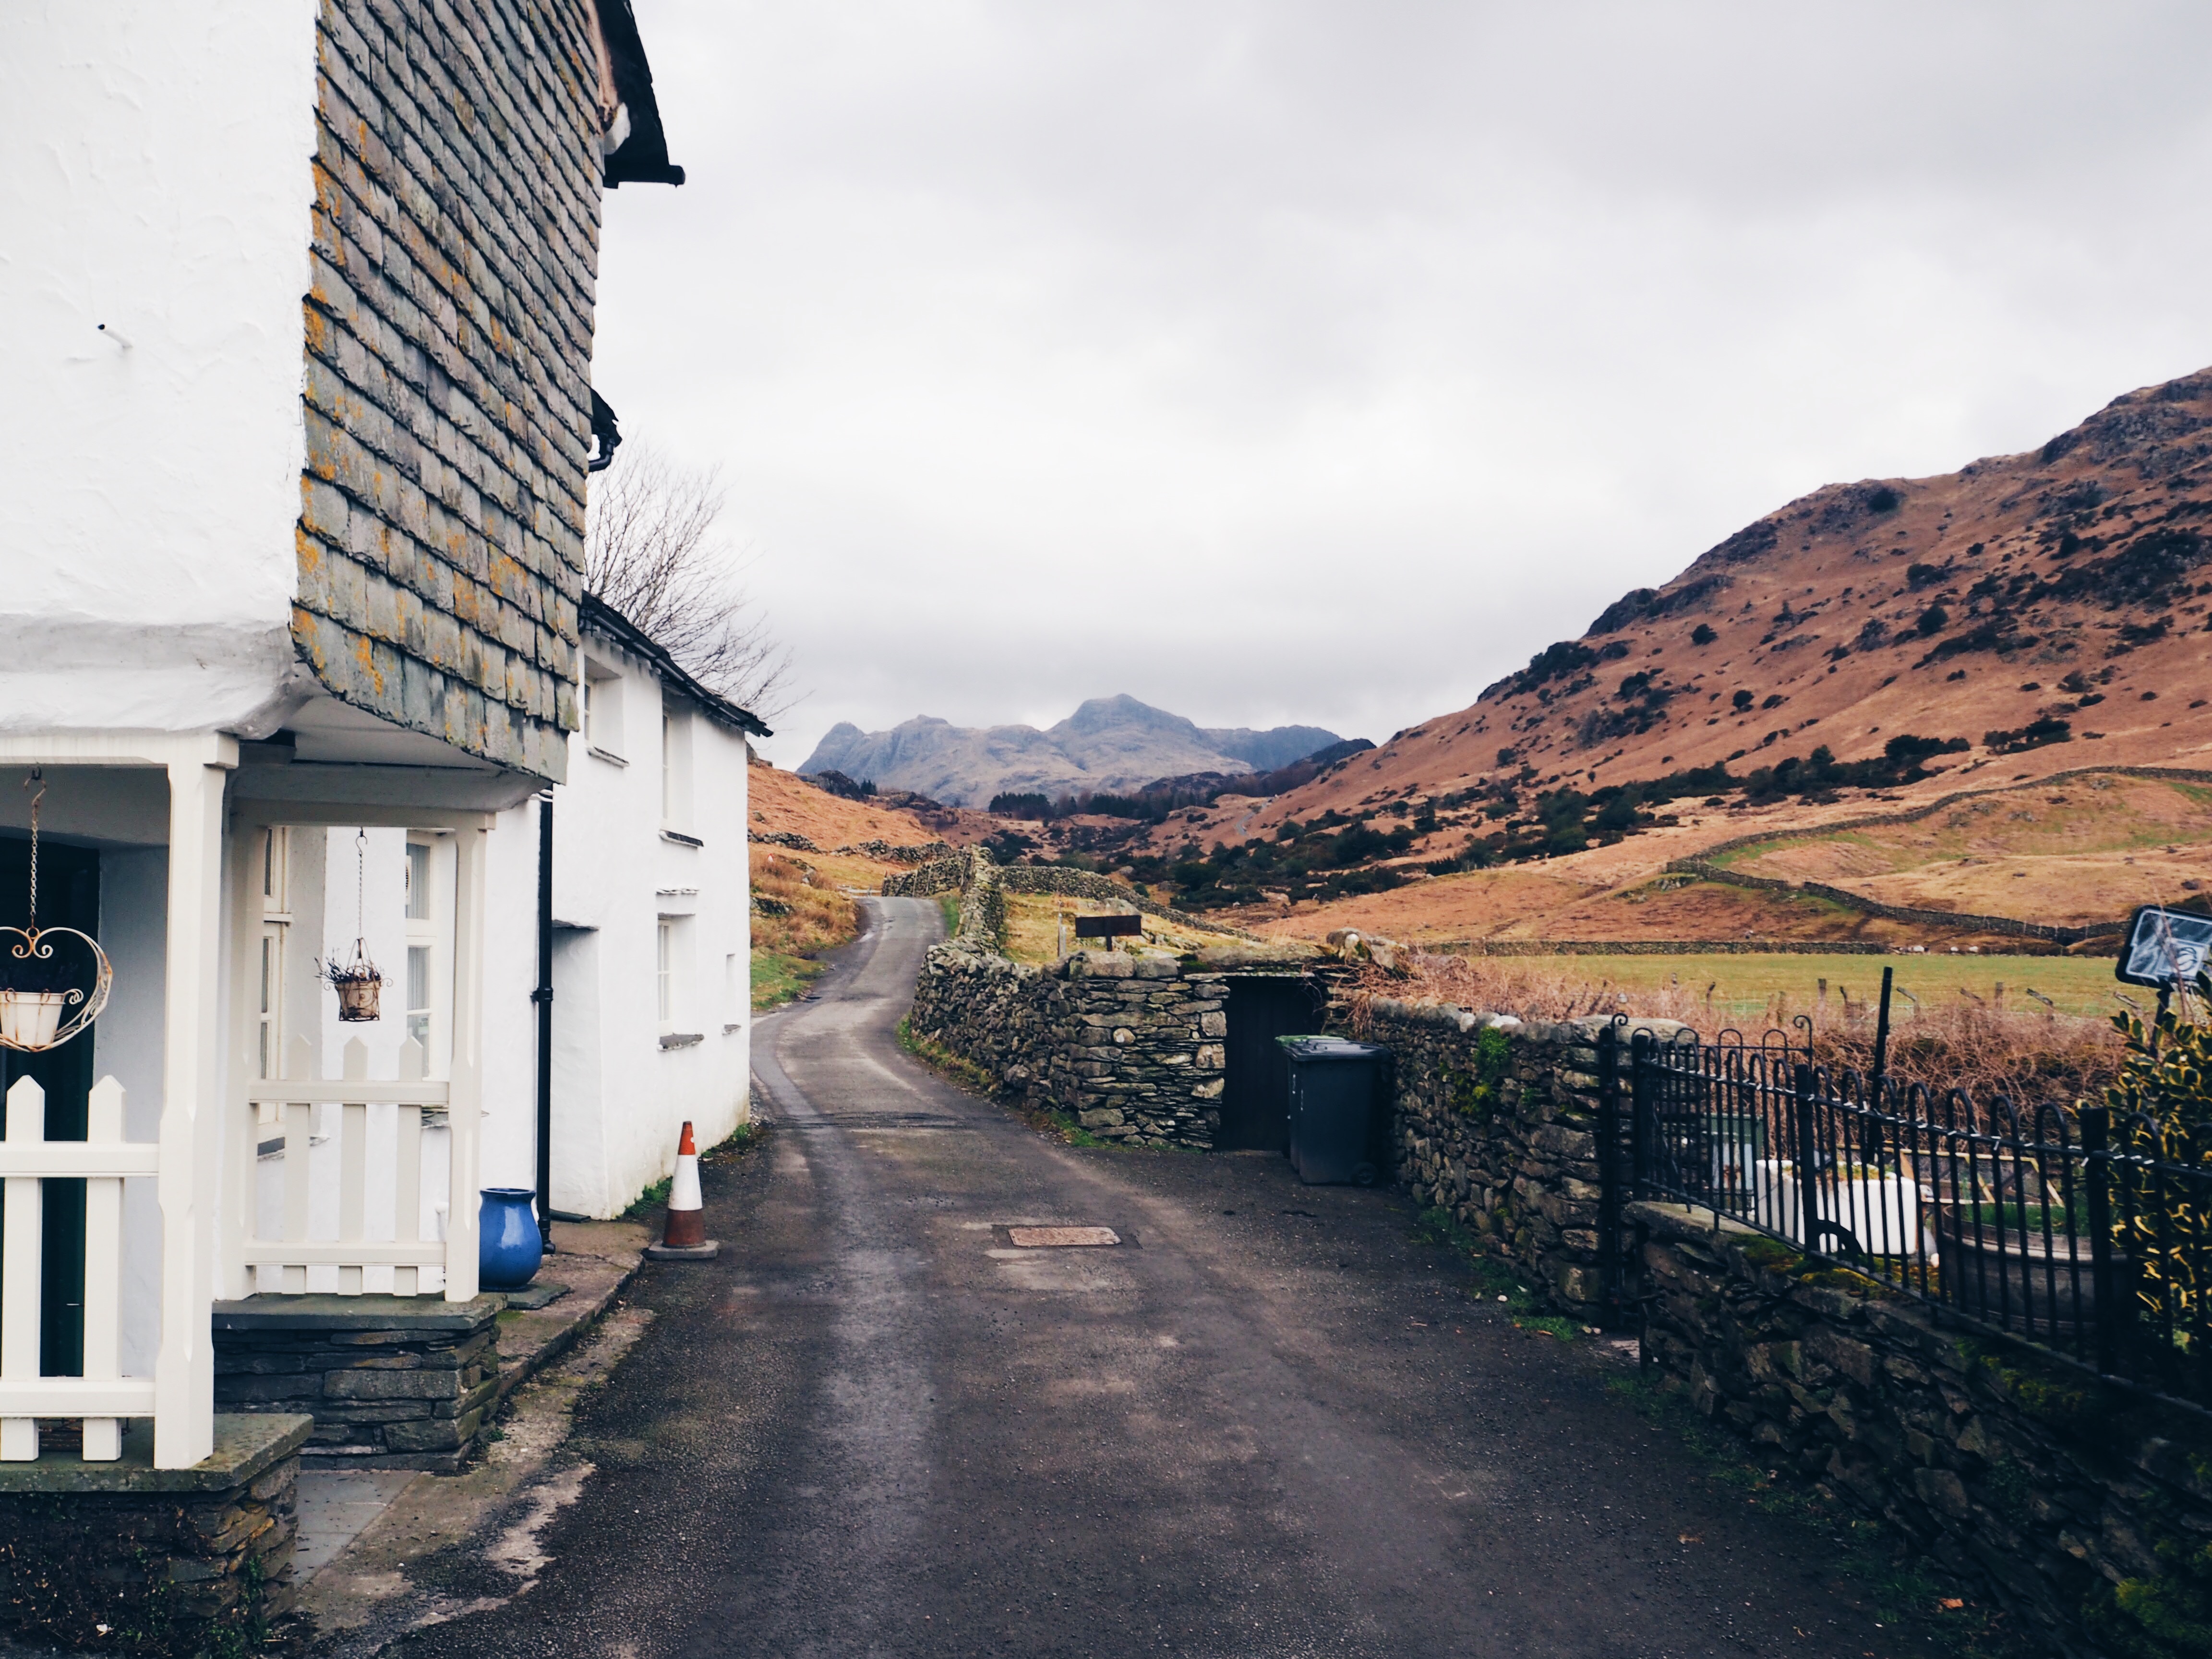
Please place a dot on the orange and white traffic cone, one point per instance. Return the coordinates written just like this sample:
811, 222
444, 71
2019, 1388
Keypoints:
685, 1237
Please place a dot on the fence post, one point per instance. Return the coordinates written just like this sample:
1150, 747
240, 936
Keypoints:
2096, 1144
21, 1257
1807, 1146
1642, 1083
103, 1269
1608, 1170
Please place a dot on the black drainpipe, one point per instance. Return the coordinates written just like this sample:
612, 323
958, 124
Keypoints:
543, 996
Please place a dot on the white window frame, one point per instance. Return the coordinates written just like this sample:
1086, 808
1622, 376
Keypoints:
428, 931
675, 768
601, 696
664, 974
276, 935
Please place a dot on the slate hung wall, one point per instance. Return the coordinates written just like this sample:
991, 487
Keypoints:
447, 398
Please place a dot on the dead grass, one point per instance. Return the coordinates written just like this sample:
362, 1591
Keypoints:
1033, 927
1977, 1044
797, 909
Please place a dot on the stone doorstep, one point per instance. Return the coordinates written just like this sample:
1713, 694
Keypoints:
366, 1320
248, 1444
592, 1262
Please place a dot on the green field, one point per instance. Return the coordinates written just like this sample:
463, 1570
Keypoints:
1743, 984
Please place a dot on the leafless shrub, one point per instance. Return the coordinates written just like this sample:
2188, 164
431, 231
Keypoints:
651, 552
2033, 1055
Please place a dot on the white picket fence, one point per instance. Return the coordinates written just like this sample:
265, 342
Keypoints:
317, 1117
102, 1397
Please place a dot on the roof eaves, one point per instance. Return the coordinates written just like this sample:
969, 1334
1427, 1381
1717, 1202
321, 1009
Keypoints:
601, 617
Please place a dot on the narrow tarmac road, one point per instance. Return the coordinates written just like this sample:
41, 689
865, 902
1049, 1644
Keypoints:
1268, 1423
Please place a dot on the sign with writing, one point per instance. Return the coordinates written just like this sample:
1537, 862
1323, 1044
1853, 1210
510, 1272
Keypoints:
2165, 948
1108, 926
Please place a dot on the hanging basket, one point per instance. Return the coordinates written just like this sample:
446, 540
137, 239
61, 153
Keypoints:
35, 991
358, 981
359, 1000
38, 990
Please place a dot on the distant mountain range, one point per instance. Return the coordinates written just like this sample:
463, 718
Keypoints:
1110, 745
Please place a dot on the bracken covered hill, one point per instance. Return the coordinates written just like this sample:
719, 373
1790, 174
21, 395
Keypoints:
2046, 610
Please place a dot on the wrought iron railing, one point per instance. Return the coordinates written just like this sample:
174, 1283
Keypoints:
2086, 1233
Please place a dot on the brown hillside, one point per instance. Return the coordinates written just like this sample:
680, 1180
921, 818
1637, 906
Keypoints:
783, 802
2069, 583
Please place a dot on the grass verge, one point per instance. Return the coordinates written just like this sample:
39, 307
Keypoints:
976, 1081
780, 977
1496, 1279
740, 1141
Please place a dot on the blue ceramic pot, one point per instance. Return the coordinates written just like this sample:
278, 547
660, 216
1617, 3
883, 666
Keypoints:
508, 1245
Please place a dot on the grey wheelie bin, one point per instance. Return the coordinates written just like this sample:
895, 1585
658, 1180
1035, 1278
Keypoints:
1336, 1097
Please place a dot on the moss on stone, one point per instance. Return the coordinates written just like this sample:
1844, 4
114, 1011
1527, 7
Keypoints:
1770, 1254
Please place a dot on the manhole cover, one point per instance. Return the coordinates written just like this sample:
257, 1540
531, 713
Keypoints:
1060, 1238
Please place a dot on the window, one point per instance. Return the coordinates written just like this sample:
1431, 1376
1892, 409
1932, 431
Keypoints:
429, 940
418, 882
675, 769
665, 968
275, 856
601, 695
275, 926
418, 994
272, 998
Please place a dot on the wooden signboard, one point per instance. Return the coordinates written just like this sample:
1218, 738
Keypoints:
1108, 926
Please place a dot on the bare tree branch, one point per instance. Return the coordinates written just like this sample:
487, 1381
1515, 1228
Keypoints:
650, 553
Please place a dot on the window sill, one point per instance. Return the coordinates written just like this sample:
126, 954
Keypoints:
681, 839
606, 754
681, 1039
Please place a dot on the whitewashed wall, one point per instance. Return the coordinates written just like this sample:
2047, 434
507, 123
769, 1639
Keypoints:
154, 178
620, 1098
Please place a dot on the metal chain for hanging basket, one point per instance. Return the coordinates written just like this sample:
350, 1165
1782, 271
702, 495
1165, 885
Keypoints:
31, 1021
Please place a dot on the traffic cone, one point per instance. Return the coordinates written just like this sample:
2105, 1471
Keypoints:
685, 1237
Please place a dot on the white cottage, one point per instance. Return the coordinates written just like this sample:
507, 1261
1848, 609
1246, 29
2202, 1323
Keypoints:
651, 935
296, 310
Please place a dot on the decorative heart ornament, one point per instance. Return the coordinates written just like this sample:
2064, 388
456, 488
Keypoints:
33, 1005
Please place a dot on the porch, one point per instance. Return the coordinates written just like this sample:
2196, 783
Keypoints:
219, 1135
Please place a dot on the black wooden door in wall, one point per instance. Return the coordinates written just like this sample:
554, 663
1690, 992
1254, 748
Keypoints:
1255, 1095
69, 896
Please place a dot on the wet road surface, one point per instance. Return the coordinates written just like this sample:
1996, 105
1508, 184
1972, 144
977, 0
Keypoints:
1268, 1423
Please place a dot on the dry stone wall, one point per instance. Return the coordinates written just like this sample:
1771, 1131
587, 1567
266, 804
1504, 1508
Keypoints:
1130, 1046
2069, 1500
1495, 1119
945, 875
2073, 1501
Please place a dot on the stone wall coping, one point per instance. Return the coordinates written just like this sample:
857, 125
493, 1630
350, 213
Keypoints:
1689, 1223
245, 1444
1584, 1029
404, 1315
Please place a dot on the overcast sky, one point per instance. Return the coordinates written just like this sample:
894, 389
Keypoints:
1279, 362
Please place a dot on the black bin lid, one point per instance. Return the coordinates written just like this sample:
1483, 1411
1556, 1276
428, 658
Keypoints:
1330, 1047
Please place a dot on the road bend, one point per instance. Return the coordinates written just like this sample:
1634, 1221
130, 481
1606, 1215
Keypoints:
1268, 1422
